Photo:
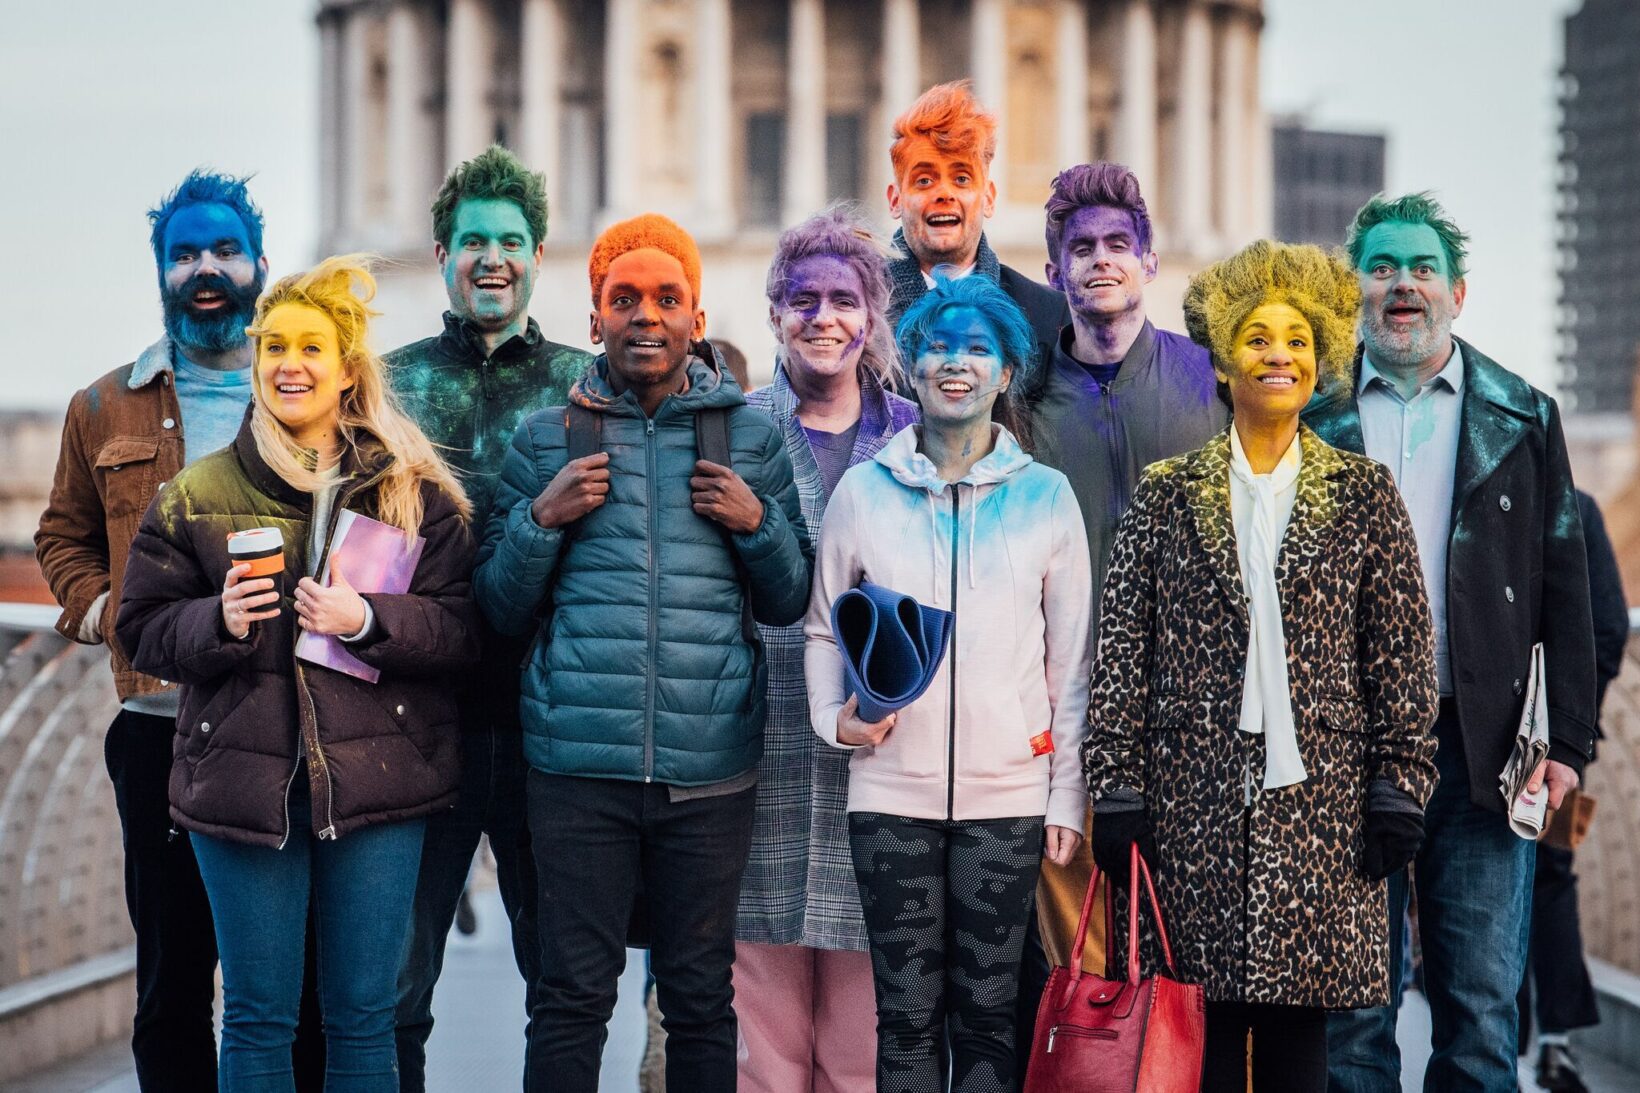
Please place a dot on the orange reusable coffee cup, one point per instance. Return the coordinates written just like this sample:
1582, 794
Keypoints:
264, 550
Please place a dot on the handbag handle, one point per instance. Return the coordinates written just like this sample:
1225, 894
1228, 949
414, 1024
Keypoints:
1137, 865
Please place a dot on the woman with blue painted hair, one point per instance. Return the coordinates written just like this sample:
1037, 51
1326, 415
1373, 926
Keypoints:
954, 799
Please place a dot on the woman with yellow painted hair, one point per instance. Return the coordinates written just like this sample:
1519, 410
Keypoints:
298, 780
1265, 684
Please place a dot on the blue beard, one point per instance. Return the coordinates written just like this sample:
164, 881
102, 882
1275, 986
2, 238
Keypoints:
212, 332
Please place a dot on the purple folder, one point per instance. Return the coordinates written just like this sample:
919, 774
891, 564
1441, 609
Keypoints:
376, 558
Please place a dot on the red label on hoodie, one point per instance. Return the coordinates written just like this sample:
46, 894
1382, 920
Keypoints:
1042, 743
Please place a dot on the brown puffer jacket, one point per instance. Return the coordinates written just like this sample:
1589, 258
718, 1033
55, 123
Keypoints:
376, 752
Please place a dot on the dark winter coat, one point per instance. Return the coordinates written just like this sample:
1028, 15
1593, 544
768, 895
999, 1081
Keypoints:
471, 401
1607, 603
1263, 888
641, 669
376, 752
1045, 309
1516, 571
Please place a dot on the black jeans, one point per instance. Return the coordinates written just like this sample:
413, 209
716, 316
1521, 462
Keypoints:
946, 903
598, 842
172, 1039
1289, 1048
492, 803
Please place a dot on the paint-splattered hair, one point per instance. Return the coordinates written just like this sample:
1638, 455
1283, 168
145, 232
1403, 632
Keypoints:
650, 230
1419, 208
203, 187
493, 174
950, 118
1013, 330
341, 288
843, 232
1319, 285
1089, 184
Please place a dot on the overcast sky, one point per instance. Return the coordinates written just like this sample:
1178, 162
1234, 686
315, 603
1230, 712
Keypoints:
105, 104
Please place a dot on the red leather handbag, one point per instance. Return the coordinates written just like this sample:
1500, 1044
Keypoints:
1130, 1035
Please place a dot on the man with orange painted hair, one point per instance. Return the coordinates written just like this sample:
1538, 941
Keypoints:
643, 694
942, 194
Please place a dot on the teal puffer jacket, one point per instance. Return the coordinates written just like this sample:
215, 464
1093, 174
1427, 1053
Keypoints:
640, 670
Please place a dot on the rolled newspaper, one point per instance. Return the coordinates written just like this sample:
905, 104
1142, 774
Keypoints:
1527, 810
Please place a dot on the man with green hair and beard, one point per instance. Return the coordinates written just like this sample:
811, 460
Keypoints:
469, 387
1480, 459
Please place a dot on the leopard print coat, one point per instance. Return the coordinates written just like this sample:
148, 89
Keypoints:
1262, 889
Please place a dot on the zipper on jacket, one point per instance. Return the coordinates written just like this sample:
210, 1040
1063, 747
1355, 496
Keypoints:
307, 717
482, 411
651, 468
951, 736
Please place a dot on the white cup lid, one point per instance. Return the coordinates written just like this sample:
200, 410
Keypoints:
253, 540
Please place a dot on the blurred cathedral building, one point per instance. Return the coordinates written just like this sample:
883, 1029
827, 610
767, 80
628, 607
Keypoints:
740, 117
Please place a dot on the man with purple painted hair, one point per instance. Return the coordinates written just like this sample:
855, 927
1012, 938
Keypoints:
1115, 395
803, 988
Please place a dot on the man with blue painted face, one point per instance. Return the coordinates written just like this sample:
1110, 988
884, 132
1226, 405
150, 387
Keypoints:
1480, 460
469, 387
126, 436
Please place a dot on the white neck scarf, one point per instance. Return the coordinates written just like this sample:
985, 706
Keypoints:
1266, 698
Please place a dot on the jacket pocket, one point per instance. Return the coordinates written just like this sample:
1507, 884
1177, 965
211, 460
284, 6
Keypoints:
201, 729
124, 468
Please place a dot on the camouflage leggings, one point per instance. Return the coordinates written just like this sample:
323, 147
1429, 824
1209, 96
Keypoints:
945, 906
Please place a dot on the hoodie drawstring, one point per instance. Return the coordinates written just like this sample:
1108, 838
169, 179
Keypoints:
973, 522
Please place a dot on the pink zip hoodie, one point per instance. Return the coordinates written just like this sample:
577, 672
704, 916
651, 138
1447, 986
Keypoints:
1004, 549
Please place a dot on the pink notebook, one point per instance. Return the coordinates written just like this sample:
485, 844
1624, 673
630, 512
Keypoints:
375, 558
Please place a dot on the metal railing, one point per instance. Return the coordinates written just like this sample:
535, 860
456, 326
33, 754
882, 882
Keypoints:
63, 923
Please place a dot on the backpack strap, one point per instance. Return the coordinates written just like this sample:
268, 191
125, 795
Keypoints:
712, 436
586, 430
712, 445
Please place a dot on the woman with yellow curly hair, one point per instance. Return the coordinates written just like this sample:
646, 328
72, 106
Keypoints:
297, 781
1265, 684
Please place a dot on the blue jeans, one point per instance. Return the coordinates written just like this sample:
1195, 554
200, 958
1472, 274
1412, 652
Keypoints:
1474, 880
361, 887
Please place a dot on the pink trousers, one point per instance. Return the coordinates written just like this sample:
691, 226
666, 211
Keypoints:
808, 1020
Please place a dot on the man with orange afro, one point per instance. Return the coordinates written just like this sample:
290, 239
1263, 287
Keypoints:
639, 567
942, 194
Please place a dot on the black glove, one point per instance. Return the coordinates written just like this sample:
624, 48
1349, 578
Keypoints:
1392, 839
1114, 833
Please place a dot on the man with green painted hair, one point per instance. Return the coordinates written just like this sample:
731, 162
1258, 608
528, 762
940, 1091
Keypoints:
468, 388
1480, 459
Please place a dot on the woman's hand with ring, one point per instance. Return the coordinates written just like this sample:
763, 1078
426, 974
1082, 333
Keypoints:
241, 600
329, 609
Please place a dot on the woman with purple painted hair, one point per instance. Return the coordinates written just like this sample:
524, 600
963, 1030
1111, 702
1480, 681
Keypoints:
802, 975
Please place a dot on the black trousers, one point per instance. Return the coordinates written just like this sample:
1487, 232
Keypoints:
601, 845
172, 1038
492, 803
1289, 1048
946, 903
1565, 994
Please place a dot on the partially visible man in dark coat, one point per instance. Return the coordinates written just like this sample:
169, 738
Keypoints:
1559, 976
942, 194
469, 387
1480, 459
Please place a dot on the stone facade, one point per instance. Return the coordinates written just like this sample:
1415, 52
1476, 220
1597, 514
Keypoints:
738, 117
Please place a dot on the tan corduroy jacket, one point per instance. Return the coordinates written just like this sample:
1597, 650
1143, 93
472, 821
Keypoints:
122, 442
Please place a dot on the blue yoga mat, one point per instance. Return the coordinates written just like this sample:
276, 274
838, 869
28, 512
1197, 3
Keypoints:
892, 646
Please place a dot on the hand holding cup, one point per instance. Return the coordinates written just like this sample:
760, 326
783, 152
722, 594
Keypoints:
253, 587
